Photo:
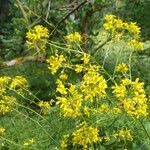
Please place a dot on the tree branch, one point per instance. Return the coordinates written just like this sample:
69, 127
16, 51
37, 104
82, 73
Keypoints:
20, 60
65, 17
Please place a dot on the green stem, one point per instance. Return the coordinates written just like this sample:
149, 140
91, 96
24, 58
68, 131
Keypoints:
144, 129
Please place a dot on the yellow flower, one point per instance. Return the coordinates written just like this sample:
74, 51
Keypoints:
134, 29
74, 37
2, 130
78, 68
118, 28
3, 82
63, 76
45, 106
29, 142
119, 91
103, 108
123, 68
124, 135
71, 104
19, 82
55, 62
85, 136
118, 23
86, 111
64, 141
37, 38
110, 17
93, 84
86, 58
108, 26
112, 23
7, 103
60, 87
132, 98
136, 44
106, 139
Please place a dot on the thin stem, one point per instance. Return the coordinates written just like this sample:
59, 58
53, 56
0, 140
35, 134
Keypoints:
144, 129
65, 17
130, 65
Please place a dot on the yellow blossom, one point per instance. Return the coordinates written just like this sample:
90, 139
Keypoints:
55, 62
2, 130
86, 111
78, 68
29, 142
60, 87
3, 82
63, 76
118, 29
118, 23
132, 98
134, 29
110, 17
103, 108
70, 106
19, 82
93, 84
64, 141
136, 44
123, 68
7, 103
124, 135
85, 58
106, 139
85, 136
37, 38
74, 37
45, 106
119, 91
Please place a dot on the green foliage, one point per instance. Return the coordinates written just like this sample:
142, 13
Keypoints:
27, 127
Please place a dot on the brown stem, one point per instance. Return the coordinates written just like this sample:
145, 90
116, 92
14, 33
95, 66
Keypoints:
65, 17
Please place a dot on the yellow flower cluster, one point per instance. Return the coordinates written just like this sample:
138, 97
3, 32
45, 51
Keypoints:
85, 58
118, 28
55, 62
45, 106
29, 142
7, 84
112, 23
37, 38
93, 84
7, 103
73, 38
64, 141
63, 76
102, 109
133, 28
61, 87
19, 83
70, 104
123, 68
73, 97
124, 135
81, 67
132, 98
136, 44
4, 81
85, 136
2, 131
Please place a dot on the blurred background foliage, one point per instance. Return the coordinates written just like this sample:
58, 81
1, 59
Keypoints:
88, 20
